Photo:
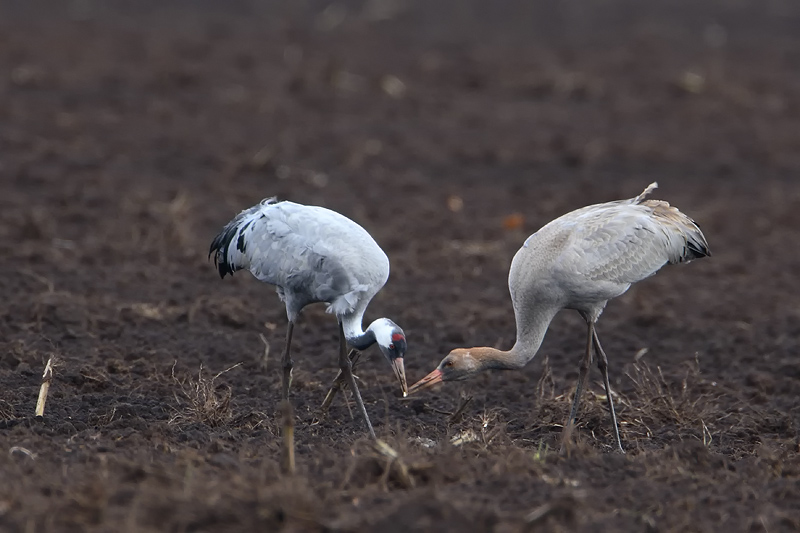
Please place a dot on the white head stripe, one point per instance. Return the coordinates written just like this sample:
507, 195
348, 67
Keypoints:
382, 329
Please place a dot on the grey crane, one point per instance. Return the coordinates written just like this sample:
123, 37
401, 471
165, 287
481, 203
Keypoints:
580, 261
312, 254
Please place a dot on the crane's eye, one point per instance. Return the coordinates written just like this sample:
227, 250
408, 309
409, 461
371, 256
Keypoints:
391, 346
448, 363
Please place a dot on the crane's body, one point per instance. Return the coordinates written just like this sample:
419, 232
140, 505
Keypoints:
312, 254
589, 256
580, 261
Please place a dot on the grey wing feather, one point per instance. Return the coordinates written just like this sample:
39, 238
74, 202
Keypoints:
687, 241
316, 277
293, 247
627, 242
230, 245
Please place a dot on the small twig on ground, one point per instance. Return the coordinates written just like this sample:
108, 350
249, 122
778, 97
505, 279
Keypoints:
265, 358
21, 450
6, 411
707, 438
563, 509
539, 513
546, 386
287, 416
641, 353
47, 377
566, 439
488, 435
47, 282
455, 417
393, 459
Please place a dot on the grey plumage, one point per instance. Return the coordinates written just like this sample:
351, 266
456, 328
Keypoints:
596, 253
312, 254
580, 261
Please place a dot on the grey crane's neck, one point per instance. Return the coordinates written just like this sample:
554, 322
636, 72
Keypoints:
355, 335
363, 341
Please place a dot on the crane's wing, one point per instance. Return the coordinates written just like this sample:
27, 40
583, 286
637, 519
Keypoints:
288, 245
627, 241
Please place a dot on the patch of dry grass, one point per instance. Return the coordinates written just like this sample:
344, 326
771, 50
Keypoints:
202, 399
6, 411
389, 464
660, 402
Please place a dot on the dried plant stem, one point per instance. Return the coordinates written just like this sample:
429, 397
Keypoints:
455, 417
393, 459
287, 415
47, 376
265, 358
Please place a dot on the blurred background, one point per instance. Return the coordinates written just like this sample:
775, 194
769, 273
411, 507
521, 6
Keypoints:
131, 132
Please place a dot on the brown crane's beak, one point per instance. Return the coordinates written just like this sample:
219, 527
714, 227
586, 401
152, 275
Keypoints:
400, 372
428, 381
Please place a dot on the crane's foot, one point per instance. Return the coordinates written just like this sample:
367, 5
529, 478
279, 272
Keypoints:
339, 383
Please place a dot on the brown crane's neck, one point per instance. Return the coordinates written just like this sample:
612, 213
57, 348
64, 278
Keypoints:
531, 330
494, 359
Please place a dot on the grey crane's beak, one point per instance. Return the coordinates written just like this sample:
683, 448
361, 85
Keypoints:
428, 381
400, 372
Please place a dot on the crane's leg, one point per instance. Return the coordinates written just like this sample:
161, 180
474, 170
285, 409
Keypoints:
602, 364
286, 361
287, 412
582, 373
347, 368
338, 383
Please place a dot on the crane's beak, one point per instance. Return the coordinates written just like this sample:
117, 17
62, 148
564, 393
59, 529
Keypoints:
428, 381
400, 372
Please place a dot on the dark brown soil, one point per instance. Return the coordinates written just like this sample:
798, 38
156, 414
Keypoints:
130, 132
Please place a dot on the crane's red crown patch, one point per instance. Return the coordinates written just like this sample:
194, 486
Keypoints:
398, 337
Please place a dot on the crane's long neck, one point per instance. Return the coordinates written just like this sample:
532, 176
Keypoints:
531, 329
353, 332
